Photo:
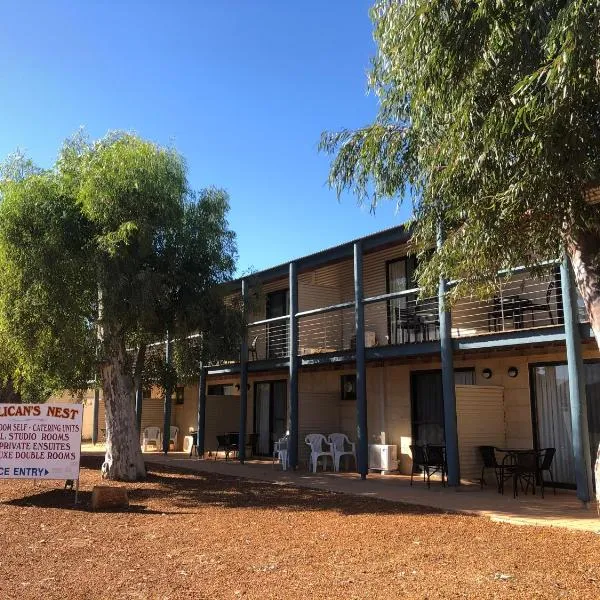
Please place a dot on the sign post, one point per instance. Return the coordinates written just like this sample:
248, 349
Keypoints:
40, 441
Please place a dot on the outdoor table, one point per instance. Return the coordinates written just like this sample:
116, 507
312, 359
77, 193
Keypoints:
517, 468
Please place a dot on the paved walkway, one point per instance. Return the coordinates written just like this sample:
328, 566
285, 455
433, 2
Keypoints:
562, 510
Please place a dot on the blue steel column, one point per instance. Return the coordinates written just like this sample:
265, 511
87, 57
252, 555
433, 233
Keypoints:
243, 383
577, 396
448, 390
96, 415
361, 371
201, 413
293, 380
168, 402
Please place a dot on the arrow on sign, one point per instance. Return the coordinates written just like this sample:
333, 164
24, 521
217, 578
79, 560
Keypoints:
45, 472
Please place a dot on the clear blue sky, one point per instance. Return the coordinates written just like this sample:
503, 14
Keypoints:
242, 88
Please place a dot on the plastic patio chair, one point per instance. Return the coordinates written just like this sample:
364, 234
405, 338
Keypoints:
174, 435
319, 447
340, 443
151, 435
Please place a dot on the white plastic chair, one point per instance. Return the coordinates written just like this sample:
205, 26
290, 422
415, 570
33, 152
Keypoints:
174, 435
151, 435
280, 452
318, 442
339, 443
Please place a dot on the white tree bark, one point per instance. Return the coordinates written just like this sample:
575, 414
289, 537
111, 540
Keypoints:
123, 459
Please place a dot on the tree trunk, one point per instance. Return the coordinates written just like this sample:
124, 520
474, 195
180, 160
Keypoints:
9, 394
123, 460
584, 252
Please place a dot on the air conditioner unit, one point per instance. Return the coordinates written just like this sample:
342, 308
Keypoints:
383, 457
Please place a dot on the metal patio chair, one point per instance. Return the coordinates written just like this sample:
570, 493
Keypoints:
547, 456
524, 468
488, 455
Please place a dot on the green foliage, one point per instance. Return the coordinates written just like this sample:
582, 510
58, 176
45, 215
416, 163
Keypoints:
490, 116
111, 247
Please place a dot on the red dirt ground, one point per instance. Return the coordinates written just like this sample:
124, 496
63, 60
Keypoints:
209, 536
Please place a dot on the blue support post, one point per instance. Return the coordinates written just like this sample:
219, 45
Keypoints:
201, 413
168, 401
448, 389
577, 396
243, 383
362, 441
96, 415
293, 380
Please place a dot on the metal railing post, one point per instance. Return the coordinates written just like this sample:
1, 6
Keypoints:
243, 383
293, 366
362, 440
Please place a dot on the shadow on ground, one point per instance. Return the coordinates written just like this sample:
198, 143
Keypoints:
190, 490
65, 499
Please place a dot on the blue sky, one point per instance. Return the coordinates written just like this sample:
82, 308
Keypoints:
242, 88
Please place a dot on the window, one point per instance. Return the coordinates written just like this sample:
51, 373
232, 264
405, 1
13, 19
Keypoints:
179, 394
221, 389
348, 386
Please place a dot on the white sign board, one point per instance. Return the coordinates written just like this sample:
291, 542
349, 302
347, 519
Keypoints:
40, 441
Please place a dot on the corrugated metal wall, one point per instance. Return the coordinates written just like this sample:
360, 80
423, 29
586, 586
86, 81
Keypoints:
480, 422
222, 416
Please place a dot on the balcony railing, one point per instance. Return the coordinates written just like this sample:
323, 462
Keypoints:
269, 339
330, 329
401, 318
522, 302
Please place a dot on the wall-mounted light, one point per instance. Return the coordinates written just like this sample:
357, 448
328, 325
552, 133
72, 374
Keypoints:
513, 371
486, 373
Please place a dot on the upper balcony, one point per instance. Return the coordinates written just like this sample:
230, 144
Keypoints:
395, 315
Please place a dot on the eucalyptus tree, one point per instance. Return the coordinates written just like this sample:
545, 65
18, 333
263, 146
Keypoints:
489, 116
102, 255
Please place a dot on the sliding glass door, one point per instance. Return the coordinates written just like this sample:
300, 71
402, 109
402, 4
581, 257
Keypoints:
552, 414
270, 414
428, 403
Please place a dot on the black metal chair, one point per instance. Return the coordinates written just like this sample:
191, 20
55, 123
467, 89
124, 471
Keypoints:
224, 442
408, 322
524, 468
431, 459
488, 455
194, 446
419, 460
436, 462
547, 456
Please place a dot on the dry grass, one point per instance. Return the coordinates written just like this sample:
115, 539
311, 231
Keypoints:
210, 536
